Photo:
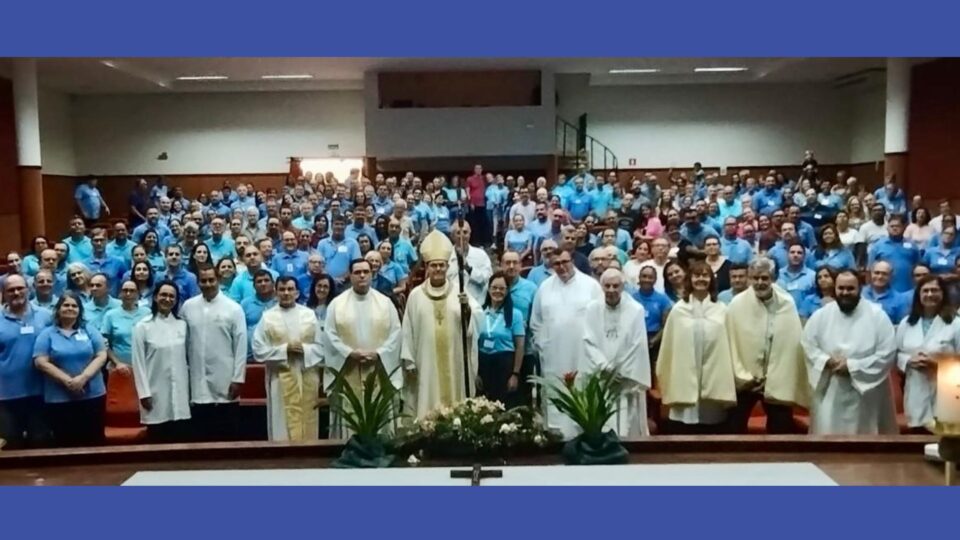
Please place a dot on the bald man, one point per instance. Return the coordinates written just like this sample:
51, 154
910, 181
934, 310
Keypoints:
476, 263
616, 339
539, 273
896, 305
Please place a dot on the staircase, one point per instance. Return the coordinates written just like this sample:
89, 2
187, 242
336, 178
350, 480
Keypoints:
577, 150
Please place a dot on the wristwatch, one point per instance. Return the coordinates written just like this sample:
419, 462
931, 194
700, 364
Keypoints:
515, 374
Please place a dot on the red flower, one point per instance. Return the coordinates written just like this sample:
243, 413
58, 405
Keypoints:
569, 378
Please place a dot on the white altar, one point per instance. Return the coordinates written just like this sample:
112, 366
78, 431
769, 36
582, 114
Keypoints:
712, 474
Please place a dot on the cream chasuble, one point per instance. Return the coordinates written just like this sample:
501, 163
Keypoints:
293, 380
432, 353
765, 345
366, 322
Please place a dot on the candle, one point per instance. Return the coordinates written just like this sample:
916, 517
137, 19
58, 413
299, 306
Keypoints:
947, 408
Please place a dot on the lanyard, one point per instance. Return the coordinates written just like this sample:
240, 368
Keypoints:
497, 321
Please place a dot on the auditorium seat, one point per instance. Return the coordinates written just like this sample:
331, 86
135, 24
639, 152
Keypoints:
254, 391
122, 420
896, 384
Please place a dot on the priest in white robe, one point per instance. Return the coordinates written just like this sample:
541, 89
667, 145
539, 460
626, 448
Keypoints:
616, 339
850, 348
362, 335
287, 342
557, 323
476, 262
432, 352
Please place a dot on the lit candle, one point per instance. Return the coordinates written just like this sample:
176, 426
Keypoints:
947, 407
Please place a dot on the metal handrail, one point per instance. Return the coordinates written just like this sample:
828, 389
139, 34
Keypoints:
609, 158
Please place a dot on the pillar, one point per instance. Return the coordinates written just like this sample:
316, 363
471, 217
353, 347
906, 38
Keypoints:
553, 169
897, 124
27, 115
370, 168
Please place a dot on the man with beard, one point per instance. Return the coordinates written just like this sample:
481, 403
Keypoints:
850, 348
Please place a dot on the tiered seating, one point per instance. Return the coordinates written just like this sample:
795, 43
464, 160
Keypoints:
122, 422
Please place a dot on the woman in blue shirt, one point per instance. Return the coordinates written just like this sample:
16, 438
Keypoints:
199, 257
31, 261
322, 291
117, 325
392, 271
831, 251
365, 243
78, 280
226, 272
71, 355
942, 258
501, 344
519, 239
441, 213
151, 244
825, 278
142, 276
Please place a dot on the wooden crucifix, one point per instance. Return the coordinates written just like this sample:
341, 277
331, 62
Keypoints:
476, 474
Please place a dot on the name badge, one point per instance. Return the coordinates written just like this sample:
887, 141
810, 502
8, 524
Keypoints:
942, 261
81, 336
24, 330
488, 344
341, 249
817, 216
907, 245
771, 202
289, 268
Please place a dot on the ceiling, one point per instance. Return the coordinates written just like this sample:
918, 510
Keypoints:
153, 75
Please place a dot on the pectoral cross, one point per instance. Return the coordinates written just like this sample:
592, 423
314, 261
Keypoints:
477, 474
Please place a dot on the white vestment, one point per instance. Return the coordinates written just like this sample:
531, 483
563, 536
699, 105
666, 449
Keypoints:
293, 380
480, 271
861, 402
216, 347
920, 386
160, 368
557, 323
616, 338
432, 350
366, 322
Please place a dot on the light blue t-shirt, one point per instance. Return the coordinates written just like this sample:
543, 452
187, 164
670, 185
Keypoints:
495, 335
19, 378
225, 248
88, 199
117, 329
93, 314
338, 255
71, 351
518, 241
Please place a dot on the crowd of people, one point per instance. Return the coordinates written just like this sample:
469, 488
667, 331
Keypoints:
708, 294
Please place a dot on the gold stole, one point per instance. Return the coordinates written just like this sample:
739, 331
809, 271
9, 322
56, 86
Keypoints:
299, 387
441, 341
348, 321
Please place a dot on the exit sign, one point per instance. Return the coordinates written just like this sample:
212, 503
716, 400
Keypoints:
632, 162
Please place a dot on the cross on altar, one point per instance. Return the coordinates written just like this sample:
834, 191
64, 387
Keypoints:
477, 474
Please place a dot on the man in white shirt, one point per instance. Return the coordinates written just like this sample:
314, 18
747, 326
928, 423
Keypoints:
476, 262
217, 356
945, 210
660, 249
876, 228
525, 207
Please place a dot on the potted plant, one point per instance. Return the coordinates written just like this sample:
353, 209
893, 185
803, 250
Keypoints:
366, 412
590, 402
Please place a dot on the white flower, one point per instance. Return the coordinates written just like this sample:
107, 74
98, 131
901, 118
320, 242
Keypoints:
539, 439
508, 428
413, 461
427, 426
456, 423
486, 419
446, 411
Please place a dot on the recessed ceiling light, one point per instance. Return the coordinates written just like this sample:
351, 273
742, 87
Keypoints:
719, 69
633, 70
286, 77
203, 78
109, 64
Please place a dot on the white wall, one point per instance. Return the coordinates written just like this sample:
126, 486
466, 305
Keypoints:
867, 108
460, 132
56, 133
226, 133
718, 125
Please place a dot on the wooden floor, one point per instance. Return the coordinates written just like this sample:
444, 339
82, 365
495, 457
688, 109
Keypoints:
849, 461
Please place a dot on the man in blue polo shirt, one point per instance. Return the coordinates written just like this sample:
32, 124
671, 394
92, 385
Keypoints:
805, 231
695, 232
254, 306
291, 261
361, 226
121, 246
219, 245
99, 302
902, 254
243, 286
90, 201
22, 422
734, 248
796, 278
894, 304
891, 197
81, 249
338, 250
185, 281
404, 253
102, 262
769, 199
153, 222
579, 202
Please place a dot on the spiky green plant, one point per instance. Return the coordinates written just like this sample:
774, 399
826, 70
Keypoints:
589, 404
367, 411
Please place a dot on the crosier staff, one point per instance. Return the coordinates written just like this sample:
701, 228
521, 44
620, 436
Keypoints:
464, 307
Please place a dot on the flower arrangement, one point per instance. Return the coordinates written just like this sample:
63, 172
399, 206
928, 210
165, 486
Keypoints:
590, 402
475, 427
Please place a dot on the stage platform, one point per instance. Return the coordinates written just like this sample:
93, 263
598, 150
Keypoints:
896, 460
